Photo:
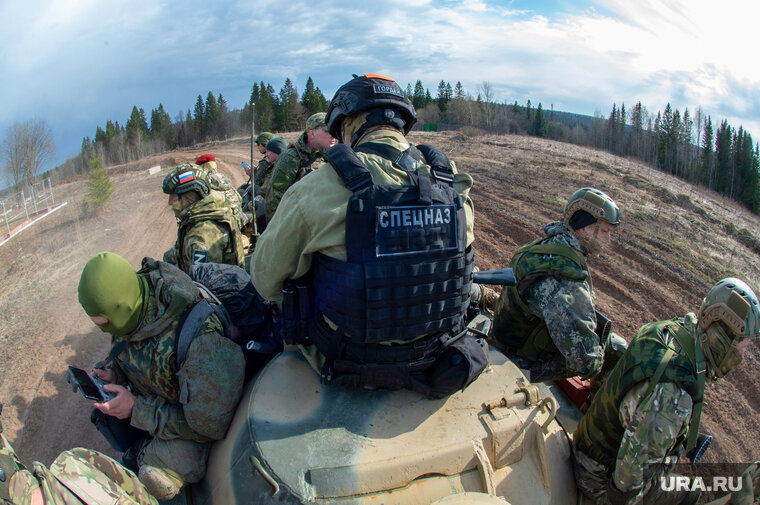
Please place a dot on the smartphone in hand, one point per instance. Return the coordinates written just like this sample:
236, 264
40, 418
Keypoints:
90, 386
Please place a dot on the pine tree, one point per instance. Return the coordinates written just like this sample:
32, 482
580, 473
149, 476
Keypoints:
137, 126
708, 160
309, 98
441, 98
540, 128
212, 116
459, 90
199, 121
418, 98
99, 185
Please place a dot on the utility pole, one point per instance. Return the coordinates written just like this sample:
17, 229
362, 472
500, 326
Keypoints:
254, 230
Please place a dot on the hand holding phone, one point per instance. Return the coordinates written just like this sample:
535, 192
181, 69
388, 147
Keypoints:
91, 386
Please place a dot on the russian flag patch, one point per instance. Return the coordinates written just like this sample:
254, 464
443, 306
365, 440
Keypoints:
186, 177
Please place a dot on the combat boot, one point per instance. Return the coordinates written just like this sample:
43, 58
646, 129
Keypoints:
163, 484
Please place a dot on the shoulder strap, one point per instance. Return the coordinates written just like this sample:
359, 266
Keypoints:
439, 163
190, 325
349, 167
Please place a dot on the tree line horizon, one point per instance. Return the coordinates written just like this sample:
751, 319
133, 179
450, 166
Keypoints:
690, 146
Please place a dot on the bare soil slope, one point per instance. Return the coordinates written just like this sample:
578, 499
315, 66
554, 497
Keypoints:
675, 241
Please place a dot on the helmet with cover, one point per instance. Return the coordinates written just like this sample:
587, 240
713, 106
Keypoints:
587, 206
729, 313
187, 177
385, 101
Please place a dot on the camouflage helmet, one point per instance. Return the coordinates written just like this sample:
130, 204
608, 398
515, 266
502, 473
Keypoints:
263, 138
187, 177
596, 203
733, 304
371, 92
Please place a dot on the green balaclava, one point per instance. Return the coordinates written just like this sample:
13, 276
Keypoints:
109, 287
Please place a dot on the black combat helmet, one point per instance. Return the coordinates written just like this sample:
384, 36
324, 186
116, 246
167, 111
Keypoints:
381, 95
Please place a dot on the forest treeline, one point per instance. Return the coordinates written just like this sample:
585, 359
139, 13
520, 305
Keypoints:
688, 145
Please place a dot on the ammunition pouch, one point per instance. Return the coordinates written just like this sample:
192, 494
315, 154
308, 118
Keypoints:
298, 310
603, 327
436, 365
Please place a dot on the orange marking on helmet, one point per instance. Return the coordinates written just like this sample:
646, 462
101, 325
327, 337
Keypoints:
378, 76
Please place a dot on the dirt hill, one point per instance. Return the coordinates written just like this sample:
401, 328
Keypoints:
676, 240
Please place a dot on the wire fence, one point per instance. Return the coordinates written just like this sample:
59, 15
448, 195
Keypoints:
19, 208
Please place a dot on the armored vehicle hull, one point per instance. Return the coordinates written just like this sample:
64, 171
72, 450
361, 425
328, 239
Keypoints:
295, 440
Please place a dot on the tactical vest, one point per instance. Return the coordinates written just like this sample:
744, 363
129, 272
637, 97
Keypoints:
408, 269
650, 354
517, 331
234, 256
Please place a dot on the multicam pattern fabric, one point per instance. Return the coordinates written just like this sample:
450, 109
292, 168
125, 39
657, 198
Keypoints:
186, 408
629, 437
297, 160
208, 226
75, 477
549, 316
220, 182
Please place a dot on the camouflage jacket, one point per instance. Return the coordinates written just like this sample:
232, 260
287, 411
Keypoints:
208, 233
195, 402
632, 429
261, 179
548, 319
295, 162
75, 477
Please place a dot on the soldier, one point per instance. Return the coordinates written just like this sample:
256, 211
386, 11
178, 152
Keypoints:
264, 169
76, 476
220, 182
166, 412
297, 160
547, 322
649, 408
384, 233
208, 231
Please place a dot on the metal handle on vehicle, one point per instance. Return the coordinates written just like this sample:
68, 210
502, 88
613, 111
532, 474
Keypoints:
260, 468
551, 404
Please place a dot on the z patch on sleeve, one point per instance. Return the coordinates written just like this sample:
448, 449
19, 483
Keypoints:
199, 256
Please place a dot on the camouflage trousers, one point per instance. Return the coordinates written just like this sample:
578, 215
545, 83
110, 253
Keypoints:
592, 479
79, 476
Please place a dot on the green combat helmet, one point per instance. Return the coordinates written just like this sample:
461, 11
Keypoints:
734, 304
598, 204
186, 177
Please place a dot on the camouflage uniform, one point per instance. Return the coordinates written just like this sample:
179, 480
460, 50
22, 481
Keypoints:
186, 408
75, 477
631, 435
263, 175
551, 317
290, 167
207, 233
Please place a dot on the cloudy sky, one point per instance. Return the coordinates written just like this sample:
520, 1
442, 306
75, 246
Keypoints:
78, 63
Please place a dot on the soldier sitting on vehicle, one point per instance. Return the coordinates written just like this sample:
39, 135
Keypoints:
218, 181
166, 411
76, 476
382, 235
649, 407
297, 161
547, 323
207, 231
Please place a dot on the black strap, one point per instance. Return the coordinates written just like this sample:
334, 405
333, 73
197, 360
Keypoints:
189, 327
349, 167
439, 163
